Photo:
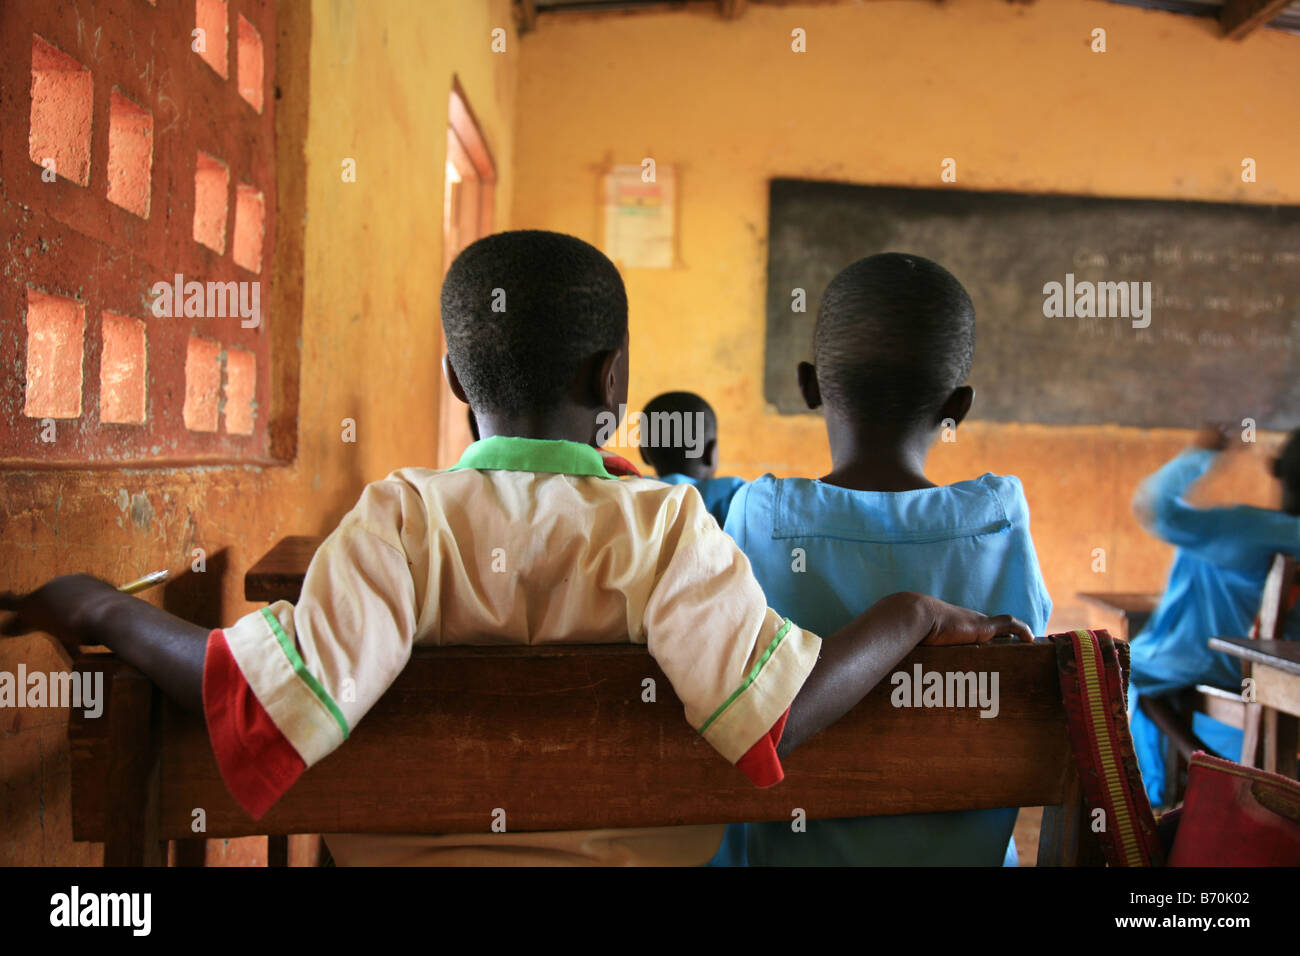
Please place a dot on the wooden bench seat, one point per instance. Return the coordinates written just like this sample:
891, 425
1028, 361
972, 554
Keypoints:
560, 738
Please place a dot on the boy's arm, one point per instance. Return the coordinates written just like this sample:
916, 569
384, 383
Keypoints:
79, 609
859, 656
281, 687
1158, 502
1218, 535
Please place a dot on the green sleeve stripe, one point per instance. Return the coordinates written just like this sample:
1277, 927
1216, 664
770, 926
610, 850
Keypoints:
300, 669
753, 674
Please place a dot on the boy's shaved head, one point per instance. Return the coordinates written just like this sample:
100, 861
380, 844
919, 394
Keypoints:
663, 438
895, 335
522, 311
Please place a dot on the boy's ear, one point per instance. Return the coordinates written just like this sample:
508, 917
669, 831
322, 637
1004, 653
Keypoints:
450, 374
808, 387
957, 407
611, 381
711, 453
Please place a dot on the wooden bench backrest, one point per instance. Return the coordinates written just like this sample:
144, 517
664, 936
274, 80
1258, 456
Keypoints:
561, 738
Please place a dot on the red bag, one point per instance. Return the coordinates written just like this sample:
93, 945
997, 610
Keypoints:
1237, 816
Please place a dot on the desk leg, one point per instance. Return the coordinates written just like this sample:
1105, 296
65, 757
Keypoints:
1281, 739
131, 817
1134, 621
1066, 837
277, 850
191, 852
1250, 735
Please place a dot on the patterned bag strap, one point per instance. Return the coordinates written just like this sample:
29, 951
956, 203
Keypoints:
1093, 670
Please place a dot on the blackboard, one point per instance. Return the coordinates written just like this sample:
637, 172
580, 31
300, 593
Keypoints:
1223, 341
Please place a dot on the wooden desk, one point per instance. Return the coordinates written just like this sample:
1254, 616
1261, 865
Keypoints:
1134, 608
278, 574
1275, 667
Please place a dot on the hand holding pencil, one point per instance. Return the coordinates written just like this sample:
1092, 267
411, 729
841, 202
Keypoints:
55, 606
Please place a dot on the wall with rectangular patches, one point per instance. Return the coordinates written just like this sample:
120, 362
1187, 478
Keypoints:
140, 134
350, 271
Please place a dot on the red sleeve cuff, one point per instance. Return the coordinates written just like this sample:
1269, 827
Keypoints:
760, 763
256, 761
618, 466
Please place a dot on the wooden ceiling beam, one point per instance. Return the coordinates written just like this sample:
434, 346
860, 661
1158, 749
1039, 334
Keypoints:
1241, 17
527, 15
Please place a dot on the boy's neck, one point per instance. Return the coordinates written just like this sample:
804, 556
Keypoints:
696, 474
566, 423
867, 458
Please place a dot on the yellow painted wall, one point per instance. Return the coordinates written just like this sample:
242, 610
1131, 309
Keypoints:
380, 75
885, 91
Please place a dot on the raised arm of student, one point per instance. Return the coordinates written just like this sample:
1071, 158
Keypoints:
1221, 535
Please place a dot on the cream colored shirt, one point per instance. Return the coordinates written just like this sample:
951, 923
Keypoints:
524, 542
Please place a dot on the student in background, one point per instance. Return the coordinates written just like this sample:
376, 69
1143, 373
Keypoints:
590, 560
893, 346
679, 440
1215, 586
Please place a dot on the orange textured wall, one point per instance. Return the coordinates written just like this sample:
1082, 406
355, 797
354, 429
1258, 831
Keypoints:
380, 76
884, 92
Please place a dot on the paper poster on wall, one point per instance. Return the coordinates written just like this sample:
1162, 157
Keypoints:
639, 216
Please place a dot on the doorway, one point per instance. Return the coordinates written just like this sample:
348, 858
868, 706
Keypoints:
467, 214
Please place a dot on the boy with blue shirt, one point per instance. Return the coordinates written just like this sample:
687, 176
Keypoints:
1214, 590
893, 344
667, 421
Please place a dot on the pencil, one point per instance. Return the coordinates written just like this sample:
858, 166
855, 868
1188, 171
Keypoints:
146, 582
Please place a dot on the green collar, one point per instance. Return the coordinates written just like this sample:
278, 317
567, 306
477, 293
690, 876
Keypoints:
503, 453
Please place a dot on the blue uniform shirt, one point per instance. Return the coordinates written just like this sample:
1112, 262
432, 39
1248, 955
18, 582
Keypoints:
716, 492
1214, 590
824, 554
